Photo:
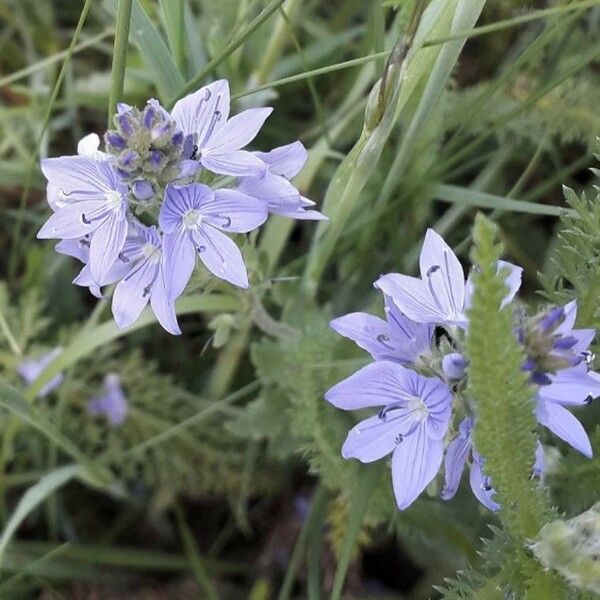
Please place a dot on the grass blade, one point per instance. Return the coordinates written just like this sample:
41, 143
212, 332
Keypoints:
360, 502
172, 13
34, 496
227, 50
13, 401
460, 195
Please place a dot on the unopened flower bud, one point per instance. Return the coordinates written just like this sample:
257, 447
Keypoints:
142, 190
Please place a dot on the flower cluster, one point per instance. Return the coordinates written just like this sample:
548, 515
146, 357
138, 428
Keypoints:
139, 213
418, 379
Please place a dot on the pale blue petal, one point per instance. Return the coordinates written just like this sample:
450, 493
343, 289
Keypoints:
163, 308
132, 293
287, 160
237, 132
107, 242
238, 163
481, 487
376, 437
454, 463
220, 256
564, 425
233, 211
179, 261
415, 462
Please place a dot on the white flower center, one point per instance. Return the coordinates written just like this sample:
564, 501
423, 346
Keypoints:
150, 251
191, 219
418, 408
113, 199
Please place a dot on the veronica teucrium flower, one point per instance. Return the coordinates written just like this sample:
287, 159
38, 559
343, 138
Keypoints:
441, 295
397, 339
217, 139
460, 451
94, 204
274, 187
143, 281
30, 369
411, 424
193, 219
112, 403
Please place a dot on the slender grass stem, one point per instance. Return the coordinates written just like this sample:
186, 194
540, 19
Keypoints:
228, 49
119, 56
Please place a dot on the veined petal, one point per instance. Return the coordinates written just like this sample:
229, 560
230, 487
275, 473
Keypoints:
204, 110
233, 211
237, 132
481, 487
370, 333
584, 338
513, 280
571, 387
180, 200
286, 161
108, 240
570, 316
301, 214
163, 308
239, 163
179, 261
81, 177
73, 221
133, 292
412, 297
442, 272
454, 463
220, 255
378, 384
376, 437
274, 189
415, 462
84, 279
88, 146
564, 425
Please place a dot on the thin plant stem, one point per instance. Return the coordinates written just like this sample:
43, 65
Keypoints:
117, 81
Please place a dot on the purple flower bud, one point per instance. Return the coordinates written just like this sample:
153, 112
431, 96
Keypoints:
128, 160
177, 139
142, 190
454, 365
125, 125
157, 159
149, 114
115, 140
552, 318
161, 130
188, 168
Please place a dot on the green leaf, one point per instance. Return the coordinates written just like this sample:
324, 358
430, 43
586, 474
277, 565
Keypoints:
359, 504
90, 339
34, 496
153, 49
468, 197
173, 18
13, 401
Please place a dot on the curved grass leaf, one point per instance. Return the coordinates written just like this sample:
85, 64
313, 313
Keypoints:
34, 496
90, 339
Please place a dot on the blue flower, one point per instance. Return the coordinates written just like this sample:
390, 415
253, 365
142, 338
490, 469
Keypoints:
143, 280
441, 295
398, 339
274, 187
193, 219
112, 403
217, 140
459, 451
30, 369
92, 203
411, 424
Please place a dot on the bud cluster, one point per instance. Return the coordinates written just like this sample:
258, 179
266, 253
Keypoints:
150, 151
573, 548
549, 349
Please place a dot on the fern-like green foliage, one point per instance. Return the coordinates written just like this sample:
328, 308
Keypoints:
575, 263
